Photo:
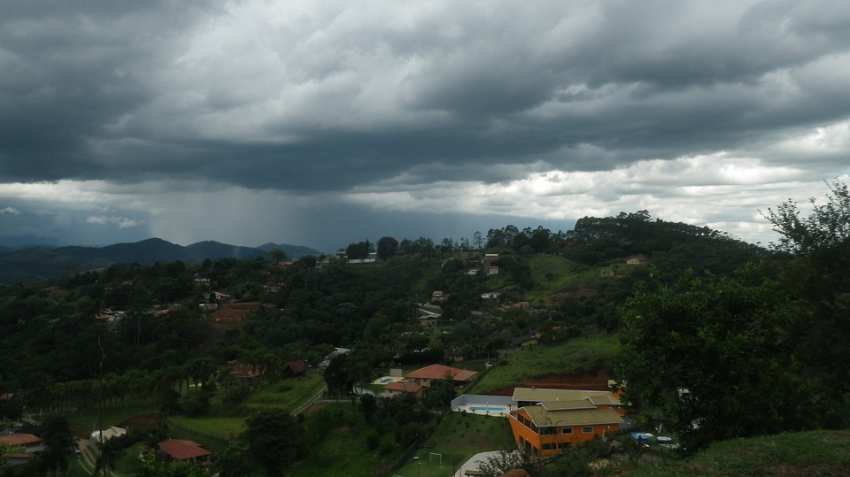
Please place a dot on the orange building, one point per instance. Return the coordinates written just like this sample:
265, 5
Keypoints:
545, 421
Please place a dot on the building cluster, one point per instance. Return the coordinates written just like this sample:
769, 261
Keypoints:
545, 420
416, 382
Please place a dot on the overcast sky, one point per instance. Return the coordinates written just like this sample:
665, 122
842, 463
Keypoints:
326, 121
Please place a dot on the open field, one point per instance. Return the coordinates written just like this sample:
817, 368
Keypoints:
457, 438
285, 395
215, 428
816, 453
577, 355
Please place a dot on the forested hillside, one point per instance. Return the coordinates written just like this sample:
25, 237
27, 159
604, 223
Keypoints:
709, 337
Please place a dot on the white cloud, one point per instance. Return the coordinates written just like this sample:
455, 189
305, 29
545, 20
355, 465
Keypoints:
719, 190
9, 211
120, 222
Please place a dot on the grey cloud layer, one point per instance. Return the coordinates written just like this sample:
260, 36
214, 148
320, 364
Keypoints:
333, 95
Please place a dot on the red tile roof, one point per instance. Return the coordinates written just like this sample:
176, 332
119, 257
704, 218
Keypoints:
403, 387
516, 473
297, 366
179, 449
244, 371
233, 313
440, 371
15, 440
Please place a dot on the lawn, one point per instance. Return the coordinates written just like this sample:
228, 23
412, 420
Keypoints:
84, 422
285, 395
342, 451
574, 356
214, 432
815, 453
457, 438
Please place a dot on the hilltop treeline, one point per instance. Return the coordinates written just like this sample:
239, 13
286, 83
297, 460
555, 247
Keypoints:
596, 240
757, 351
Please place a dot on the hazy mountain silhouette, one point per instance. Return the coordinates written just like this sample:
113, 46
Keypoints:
32, 263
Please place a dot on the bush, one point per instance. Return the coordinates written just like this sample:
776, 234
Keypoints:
388, 445
373, 440
235, 395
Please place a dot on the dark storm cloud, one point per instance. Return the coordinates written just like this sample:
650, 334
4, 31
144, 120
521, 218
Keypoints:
332, 98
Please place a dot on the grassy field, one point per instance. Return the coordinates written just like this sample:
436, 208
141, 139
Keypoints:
84, 422
285, 395
214, 433
457, 438
552, 273
578, 355
817, 453
343, 451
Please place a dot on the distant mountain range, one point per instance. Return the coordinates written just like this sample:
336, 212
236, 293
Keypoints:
34, 263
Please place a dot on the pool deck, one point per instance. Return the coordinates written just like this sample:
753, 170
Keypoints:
384, 380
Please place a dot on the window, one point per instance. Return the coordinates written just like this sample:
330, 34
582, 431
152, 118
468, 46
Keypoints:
563, 445
567, 430
548, 430
548, 446
587, 430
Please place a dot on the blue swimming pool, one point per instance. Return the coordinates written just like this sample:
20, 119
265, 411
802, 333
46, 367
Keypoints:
488, 409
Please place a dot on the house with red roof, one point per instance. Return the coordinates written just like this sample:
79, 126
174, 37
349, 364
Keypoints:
23, 447
404, 387
233, 314
296, 367
440, 372
183, 450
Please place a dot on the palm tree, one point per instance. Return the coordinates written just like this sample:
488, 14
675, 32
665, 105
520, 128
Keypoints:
58, 442
106, 460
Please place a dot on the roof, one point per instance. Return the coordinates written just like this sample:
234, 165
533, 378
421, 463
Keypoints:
441, 371
567, 405
516, 473
403, 387
580, 417
234, 312
543, 394
15, 440
179, 449
297, 366
241, 370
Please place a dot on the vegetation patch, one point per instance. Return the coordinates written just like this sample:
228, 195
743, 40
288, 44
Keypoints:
339, 448
213, 431
814, 453
285, 395
457, 438
575, 356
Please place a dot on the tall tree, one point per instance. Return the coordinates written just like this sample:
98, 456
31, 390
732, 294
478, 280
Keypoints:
339, 375
827, 227
58, 443
387, 247
274, 439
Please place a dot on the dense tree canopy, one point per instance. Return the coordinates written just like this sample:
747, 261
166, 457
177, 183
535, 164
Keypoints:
754, 352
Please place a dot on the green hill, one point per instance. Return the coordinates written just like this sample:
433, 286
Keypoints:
815, 453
